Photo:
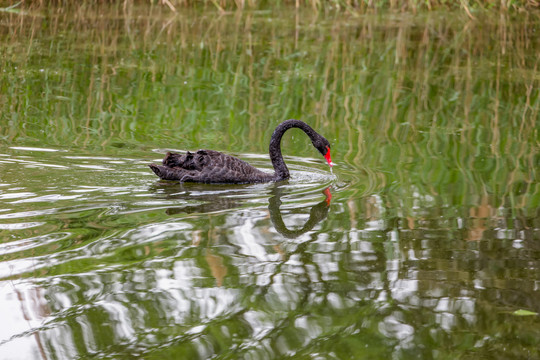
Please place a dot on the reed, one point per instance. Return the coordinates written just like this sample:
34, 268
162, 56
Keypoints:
355, 7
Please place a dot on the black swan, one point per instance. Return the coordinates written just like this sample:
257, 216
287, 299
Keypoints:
209, 166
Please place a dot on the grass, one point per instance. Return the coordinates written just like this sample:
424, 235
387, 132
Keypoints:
354, 7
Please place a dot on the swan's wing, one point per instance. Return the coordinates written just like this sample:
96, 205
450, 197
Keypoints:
208, 166
217, 167
173, 173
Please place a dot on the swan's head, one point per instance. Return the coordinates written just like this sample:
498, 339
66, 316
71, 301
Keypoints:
323, 146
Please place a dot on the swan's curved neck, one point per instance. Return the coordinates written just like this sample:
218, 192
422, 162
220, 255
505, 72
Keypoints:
282, 172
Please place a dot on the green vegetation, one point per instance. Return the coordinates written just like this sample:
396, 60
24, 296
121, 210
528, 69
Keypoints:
355, 7
360, 6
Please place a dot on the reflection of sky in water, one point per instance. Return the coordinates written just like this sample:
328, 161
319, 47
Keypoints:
242, 253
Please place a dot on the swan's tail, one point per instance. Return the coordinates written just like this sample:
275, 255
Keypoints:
157, 169
167, 173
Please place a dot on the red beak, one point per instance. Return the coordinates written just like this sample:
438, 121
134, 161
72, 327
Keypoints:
327, 157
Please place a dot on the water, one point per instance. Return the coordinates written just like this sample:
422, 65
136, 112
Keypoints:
422, 242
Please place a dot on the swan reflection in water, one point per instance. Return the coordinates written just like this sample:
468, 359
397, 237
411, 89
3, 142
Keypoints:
204, 198
316, 215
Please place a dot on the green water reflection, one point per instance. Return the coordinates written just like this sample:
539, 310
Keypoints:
426, 245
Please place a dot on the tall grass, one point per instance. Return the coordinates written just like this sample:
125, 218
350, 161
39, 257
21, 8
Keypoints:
355, 7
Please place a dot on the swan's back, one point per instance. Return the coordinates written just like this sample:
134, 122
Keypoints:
209, 166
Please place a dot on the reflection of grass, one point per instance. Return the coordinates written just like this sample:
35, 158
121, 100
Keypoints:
438, 105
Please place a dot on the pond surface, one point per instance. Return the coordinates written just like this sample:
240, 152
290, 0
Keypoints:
424, 241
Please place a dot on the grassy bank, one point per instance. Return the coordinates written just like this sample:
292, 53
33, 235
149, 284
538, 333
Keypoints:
367, 5
351, 6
